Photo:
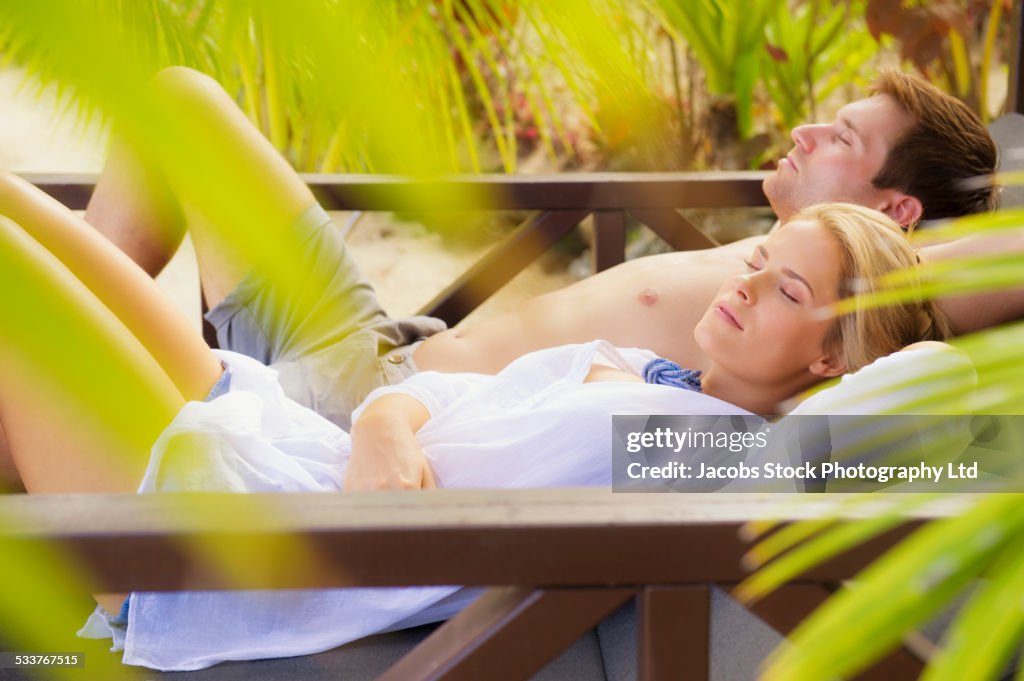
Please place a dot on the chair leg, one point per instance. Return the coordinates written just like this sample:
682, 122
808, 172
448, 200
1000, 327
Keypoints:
673, 633
507, 634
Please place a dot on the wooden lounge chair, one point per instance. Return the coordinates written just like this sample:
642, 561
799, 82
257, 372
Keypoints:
555, 563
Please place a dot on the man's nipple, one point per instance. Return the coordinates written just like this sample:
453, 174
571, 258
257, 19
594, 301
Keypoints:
649, 296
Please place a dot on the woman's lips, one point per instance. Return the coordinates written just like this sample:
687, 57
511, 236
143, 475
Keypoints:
789, 160
728, 315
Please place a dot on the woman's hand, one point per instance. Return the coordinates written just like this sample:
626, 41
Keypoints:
383, 463
385, 454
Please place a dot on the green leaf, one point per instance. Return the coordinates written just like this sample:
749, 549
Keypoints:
897, 592
989, 628
821, 546
747, 69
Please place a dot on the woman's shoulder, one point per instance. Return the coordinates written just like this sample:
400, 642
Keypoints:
930, 345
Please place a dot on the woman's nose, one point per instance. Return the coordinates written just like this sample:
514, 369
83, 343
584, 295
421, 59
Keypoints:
745, 289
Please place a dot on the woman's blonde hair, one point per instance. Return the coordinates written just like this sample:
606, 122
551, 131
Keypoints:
871, 246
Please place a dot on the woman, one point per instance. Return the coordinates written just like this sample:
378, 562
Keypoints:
220, 421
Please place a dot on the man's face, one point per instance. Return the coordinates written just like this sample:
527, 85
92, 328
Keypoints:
836, 161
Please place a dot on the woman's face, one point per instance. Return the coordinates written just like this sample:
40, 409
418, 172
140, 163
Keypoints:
768, 324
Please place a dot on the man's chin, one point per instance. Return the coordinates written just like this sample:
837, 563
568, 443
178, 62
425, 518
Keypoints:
776, 197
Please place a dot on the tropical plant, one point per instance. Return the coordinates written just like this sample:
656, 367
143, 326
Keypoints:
795, 52
323, 80
952, 42
812, 49
728, 37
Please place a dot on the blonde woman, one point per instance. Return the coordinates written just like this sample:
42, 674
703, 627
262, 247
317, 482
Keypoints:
219, 421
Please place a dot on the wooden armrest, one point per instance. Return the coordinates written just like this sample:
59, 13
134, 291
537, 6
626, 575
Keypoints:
514, 537
565, 191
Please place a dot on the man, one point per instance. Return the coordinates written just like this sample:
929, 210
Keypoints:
873, 155
907, 150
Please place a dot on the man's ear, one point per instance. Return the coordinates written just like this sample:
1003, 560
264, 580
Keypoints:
903, 208
827, 367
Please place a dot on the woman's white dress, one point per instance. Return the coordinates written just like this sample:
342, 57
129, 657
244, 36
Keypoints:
535, 424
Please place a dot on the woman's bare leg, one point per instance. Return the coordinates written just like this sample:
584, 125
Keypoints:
160, 327
70, 431
134, 209
132, 206
81, 399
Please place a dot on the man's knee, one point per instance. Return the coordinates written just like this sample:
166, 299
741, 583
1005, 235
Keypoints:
180, 85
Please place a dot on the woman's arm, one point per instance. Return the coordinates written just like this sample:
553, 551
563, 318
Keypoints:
385, 454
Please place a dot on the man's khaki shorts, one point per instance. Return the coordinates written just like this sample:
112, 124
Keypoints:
327, 337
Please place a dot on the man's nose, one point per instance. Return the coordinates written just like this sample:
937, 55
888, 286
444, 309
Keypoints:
806, 136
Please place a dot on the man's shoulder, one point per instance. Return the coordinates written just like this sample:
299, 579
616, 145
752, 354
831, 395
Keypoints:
726, 253
668, 274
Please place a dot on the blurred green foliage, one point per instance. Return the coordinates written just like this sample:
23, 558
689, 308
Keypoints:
441, 86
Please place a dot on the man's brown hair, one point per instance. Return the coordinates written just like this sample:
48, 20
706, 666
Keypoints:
945, 159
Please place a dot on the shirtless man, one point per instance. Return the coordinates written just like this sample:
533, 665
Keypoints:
655, 302
904, 150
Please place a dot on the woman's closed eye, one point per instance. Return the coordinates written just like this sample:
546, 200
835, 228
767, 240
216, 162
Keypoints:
782, 289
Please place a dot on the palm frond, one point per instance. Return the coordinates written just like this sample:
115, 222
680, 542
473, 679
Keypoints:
899, 591
987, 631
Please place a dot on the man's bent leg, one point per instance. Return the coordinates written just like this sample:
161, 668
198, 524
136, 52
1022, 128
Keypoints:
323, 330
257, 195
326, 299
134, 208
329, 353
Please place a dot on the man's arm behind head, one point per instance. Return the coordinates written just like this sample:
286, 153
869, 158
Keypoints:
967, 313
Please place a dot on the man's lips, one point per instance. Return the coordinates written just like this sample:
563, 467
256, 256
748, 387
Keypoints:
788, 158
728, 315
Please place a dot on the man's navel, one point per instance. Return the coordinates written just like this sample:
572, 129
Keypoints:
649, 296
